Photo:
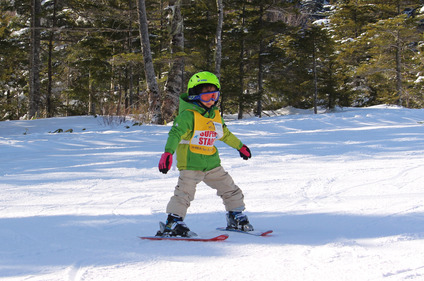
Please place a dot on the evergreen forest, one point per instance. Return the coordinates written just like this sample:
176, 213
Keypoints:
134, 57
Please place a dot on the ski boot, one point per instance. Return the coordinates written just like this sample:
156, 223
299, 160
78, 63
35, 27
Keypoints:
174, 226
239, 221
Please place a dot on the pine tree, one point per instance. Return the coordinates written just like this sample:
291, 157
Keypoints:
13, 65
375, 43
311, 51
391, 62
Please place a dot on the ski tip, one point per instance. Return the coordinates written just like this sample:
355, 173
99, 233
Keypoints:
267, 233
221, 237
149, 238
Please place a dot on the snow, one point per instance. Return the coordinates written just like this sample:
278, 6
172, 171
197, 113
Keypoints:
322, 22
420, 79
342, 192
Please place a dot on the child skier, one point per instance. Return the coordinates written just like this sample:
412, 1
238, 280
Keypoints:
195, 129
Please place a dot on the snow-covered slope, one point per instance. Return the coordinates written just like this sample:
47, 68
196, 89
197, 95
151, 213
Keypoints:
342, 191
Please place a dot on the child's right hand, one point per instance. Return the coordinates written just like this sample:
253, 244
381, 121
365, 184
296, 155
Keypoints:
165, 162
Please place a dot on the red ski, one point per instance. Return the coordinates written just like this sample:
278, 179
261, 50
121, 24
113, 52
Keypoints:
192, 239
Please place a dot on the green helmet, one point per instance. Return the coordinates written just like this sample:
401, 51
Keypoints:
199, 78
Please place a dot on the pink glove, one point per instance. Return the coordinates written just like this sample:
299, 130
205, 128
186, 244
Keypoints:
245, 152
165, 162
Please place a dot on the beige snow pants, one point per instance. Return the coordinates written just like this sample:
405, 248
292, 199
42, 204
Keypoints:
217, 178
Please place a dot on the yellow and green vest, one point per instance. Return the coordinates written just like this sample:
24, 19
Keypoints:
194, 134
206, 132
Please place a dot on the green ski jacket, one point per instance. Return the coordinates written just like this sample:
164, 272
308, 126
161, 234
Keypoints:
183, 129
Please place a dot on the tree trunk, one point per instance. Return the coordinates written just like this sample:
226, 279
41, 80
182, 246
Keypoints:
218, 50
260, 65
314, 70
241, 68
34, 75
155, 114
399, 69
118, 107
49, 104
91, 103
174, 84
68, 86
129, 98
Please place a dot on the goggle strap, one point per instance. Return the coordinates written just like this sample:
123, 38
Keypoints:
193, 97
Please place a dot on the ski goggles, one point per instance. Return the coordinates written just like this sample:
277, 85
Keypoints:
206, 97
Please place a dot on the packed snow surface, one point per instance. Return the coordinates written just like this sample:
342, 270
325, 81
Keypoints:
343, 192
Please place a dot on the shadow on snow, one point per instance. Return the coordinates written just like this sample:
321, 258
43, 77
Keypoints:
31, 244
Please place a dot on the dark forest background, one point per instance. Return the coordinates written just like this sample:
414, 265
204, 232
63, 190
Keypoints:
78, 57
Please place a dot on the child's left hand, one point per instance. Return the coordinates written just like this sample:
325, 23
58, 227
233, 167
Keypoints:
245, 152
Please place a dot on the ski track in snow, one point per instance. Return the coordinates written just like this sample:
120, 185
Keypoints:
342, 192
